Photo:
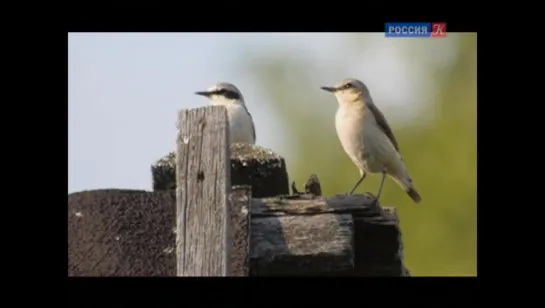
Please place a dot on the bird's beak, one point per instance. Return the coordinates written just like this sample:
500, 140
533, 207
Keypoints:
203, 93
329, 89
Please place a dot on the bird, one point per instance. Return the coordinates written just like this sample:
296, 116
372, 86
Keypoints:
241, 124
367, 138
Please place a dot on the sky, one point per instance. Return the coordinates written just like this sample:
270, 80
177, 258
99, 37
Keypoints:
125, 89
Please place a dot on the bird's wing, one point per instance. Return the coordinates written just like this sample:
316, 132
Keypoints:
383, 124
252, 120
253, 128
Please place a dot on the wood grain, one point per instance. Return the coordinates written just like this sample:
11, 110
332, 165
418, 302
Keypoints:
286, 228
203, 184
310, 204
302, 245
239, 209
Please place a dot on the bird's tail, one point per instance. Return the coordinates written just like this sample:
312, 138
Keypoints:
414, 195
406, 183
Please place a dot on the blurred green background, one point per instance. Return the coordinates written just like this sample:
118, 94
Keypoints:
438, 142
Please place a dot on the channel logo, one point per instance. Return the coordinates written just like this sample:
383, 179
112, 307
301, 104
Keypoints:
415, 29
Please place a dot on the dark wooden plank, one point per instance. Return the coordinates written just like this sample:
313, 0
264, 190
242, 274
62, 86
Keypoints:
302, 245
239, 209
378, 248
309, 204
203, 185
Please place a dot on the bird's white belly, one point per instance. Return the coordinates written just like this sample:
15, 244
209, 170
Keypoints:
361, 141
240, 125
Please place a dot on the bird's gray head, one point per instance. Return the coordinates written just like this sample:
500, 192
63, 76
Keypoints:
349, 90
223, 94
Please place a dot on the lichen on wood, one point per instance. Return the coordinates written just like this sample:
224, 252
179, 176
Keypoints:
261, 168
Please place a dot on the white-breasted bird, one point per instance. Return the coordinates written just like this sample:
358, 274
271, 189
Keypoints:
241, 125
367, 138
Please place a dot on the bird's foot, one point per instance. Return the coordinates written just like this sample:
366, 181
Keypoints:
375, 201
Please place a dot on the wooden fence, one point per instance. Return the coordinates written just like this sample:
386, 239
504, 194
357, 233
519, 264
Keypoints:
220, 210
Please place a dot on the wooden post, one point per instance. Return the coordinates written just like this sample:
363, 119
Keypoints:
260, 168
132, 233
252, 165
239, 209
379, 247
202, 188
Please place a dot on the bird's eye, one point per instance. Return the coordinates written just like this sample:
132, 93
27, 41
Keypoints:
221, 91
347, 86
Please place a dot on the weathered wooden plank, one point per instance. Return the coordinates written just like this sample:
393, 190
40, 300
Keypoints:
203, 184
302, 245
239, 209
309, 204
378, 247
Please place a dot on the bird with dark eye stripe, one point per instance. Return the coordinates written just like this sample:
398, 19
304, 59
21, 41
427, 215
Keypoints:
367, 138
347, 86
241, 125
229, 94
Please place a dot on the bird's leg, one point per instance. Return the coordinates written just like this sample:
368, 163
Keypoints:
381, 184
363, 175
